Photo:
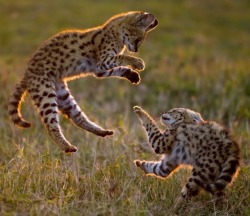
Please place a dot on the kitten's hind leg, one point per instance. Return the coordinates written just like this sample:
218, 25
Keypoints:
45, 100
191, 189
69, 107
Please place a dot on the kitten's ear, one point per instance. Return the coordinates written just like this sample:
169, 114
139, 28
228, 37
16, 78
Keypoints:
197, 117
144, 20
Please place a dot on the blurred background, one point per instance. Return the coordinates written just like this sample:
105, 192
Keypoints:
198, 57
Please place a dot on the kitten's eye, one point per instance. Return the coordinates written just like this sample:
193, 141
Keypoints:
166, 118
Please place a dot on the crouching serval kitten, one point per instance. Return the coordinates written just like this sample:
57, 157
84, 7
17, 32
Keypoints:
73, 54
205, 145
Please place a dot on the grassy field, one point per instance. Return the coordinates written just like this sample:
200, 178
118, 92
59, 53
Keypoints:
198, 57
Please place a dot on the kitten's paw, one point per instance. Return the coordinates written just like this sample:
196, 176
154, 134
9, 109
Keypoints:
133, 77
140, 164
71, 148
138, 64
141, 113
106, 133
137, 163
137, 109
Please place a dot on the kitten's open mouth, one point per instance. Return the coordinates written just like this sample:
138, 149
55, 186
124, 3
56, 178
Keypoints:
152, 25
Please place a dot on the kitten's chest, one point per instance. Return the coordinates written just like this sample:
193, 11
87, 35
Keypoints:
186, 155
185, 149
80, 67
85, 64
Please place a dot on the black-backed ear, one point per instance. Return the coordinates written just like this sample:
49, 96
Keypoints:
144, 20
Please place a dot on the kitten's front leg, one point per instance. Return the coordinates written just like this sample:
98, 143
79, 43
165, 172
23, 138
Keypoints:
144, 117
157, 140
121, 71
160, 142
158, 168
125, 60
121, 66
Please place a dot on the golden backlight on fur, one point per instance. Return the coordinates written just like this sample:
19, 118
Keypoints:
73, 54
206, 146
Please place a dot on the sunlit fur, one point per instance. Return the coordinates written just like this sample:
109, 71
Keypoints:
73, 54
206, 146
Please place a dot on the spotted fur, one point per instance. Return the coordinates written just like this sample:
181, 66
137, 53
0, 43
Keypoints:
75, 53
205, 145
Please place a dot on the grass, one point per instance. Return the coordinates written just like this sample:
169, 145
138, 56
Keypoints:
198, 57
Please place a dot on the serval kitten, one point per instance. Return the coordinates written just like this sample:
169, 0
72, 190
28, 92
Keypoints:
73, 54
205, 145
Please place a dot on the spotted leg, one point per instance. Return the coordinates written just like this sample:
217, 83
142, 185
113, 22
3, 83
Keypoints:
122, 66
69, 107
45, 99
122, 60
158, 168
122, 72
160, 142
190, 190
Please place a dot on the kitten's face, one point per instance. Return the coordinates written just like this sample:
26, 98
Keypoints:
176, 116
135, 28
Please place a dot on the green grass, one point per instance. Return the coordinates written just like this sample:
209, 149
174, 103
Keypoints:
198, 57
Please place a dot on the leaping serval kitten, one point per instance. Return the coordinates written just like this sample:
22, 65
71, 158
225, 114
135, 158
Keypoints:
205, 145
73, 54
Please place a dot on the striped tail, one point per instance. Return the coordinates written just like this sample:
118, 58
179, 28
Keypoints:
228, 171
14, 106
